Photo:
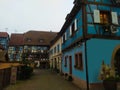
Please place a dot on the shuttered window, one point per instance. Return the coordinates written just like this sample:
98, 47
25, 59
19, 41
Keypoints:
78, 61
73, 27
105, 17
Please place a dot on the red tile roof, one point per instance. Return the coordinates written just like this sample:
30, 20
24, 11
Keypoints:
32, 38
16, 39
38, 37
4, 34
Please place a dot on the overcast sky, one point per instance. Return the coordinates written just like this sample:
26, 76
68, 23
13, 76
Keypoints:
19, 16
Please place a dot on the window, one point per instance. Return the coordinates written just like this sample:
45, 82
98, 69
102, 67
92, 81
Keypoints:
104, 17
73, 27
54, 50
28, 40
41, 40
78, 61
65, 61
117, 2
63, 38
58, 48
119, 19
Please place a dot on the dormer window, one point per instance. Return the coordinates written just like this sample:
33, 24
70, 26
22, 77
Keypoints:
41, 40
28, 39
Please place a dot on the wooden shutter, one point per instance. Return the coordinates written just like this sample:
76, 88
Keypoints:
96, 16
114, 17
75, 24
70, 30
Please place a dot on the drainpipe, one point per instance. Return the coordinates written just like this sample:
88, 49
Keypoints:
84, 16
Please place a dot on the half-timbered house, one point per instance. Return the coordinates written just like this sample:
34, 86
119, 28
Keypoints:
90, 35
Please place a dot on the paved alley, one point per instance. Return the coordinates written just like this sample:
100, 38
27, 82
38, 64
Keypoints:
43, 80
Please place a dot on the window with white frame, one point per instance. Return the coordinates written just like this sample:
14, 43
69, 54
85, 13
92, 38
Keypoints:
73, 27
105, 17
58, 48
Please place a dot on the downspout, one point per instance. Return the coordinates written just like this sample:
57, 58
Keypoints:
84, 16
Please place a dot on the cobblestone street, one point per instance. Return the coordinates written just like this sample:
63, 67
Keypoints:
43, 80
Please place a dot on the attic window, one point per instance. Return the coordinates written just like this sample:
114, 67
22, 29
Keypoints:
28, 40
41, 40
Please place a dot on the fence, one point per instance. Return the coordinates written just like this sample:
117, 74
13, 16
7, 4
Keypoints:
4, 77
8, 74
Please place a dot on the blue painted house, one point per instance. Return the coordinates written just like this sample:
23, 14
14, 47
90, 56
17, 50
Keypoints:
91, 35
16, 46
4, 40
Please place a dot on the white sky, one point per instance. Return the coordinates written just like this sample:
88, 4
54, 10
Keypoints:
19, 16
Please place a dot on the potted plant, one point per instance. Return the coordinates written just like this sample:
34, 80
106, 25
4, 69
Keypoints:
70, 78
107, 74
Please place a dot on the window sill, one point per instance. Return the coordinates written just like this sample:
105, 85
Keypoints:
77, 67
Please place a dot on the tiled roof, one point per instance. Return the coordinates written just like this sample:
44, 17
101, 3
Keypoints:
4, 34
38, 37
16, 39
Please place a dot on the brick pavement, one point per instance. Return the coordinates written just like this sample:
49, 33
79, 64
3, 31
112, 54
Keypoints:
43, 80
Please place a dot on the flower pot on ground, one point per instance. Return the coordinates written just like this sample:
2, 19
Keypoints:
70, 78
110, 84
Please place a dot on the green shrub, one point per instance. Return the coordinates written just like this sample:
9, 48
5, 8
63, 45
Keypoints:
25, 72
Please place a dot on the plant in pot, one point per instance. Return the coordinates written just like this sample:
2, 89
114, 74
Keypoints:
107, 74
70, 78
